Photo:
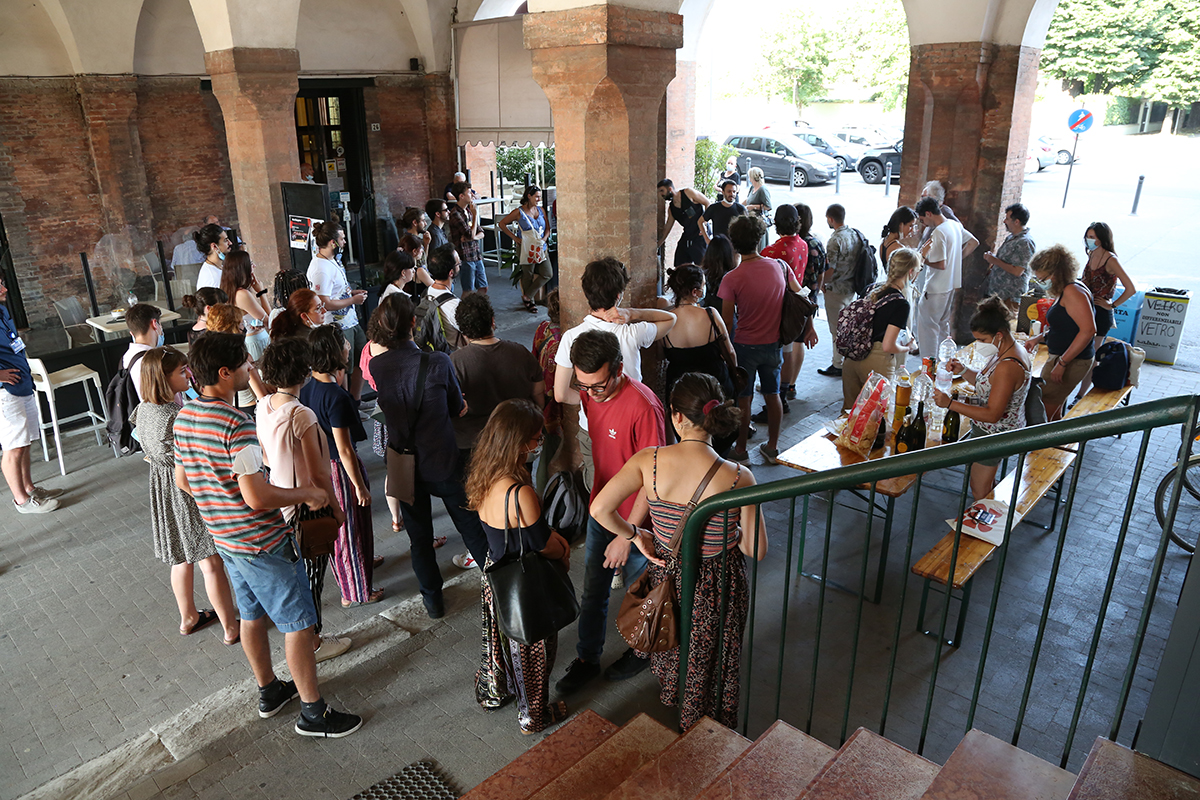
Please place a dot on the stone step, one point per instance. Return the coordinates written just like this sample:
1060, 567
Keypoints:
1113, 772
778, 766
869, 767
983, 767
604, 768
692, 762
548, 759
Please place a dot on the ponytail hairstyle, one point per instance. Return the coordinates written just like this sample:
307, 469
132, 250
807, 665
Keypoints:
902, 262
901, 216
204, 297
206, 237
684, 279
699, 398
289, 322
991, 316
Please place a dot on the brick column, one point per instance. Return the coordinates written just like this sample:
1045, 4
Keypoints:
442, 129
967, 124
257, 88
110, 118
605, 70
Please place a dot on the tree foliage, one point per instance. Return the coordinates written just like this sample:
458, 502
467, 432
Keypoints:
515, 162
1147, 48
710, 159
797, 58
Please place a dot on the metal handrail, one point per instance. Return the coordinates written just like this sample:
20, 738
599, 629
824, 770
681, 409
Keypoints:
1142, 417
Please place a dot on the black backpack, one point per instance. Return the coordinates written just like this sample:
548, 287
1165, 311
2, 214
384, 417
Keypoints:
866, 270
121, 398
1112, 365
431, 332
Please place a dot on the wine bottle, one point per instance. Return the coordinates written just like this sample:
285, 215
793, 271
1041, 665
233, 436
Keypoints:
919, 431
951, 424
903, 436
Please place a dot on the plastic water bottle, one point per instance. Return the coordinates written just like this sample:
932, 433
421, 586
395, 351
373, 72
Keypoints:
131, 299
944, 377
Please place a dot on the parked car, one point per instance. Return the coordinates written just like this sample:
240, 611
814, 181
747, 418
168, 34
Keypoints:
1042, 155
873, 165
844, 153
1060, 147
869, 135
781, 155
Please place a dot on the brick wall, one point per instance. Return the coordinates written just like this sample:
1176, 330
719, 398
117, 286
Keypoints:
185, 155
399, 150
49, 194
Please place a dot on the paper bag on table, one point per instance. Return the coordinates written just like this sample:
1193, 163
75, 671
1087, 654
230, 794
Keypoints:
867, 415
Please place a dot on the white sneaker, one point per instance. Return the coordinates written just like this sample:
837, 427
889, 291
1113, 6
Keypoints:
35, 506
45, 494
464, 561
332, 647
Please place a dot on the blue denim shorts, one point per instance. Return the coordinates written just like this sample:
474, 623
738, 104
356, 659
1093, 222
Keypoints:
270, 585
764, 359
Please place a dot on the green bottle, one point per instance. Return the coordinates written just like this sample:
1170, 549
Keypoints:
919, 431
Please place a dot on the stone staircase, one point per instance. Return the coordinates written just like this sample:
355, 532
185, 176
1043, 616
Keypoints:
589, 758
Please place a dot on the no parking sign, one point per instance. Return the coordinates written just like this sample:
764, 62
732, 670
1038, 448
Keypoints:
1079, 121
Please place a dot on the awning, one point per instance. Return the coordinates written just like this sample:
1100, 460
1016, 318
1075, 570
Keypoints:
497, 98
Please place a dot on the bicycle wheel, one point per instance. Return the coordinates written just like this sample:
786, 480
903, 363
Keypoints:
1186, 530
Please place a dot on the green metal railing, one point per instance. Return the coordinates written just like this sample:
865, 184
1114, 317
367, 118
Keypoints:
845, 644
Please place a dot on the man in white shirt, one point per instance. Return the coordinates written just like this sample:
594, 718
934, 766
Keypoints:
948, 245
443, 265
604, 283
328, 279
213, 242
147, 331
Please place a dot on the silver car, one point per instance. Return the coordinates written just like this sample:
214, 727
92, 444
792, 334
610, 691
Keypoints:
781, 156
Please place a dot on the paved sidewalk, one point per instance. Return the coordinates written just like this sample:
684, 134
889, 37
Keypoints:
94, 674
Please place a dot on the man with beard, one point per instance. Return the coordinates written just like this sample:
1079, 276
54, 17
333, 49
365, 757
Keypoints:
687, 208
721, 213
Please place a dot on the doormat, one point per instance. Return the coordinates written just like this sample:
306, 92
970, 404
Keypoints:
419, 781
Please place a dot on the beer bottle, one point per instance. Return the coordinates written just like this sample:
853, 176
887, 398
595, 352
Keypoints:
904, 435
951, 424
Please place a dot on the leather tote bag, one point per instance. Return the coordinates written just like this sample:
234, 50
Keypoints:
316, 528
532, 595
649, 616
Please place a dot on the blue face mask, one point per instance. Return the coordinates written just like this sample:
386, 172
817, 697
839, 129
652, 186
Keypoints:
1090, 244
221, 256
162, 338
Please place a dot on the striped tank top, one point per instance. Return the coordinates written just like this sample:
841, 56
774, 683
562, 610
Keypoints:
665, 516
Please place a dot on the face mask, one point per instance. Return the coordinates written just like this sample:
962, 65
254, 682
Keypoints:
162, 338
535, 453
220, 255
338, 256
1090, 244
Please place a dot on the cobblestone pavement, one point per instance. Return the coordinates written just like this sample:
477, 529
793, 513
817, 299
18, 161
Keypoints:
94, 674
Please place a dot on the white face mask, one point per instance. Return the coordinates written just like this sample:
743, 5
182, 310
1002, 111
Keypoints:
535, 453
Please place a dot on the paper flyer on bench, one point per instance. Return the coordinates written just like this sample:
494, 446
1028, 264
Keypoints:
984, 520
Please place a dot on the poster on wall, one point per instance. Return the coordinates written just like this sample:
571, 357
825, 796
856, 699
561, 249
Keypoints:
299, 229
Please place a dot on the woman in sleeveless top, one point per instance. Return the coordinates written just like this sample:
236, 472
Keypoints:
758, 202
899, 228
670, 476
180, 537
1100, 276
499, 490
1000, 387
531, 219
699, 341
1070, 327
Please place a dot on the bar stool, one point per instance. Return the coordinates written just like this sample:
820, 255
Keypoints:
48, 383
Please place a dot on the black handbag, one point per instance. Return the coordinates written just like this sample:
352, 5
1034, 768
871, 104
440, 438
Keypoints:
533, 597
795, 313
402, 464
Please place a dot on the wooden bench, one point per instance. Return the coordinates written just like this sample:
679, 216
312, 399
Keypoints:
1043, 470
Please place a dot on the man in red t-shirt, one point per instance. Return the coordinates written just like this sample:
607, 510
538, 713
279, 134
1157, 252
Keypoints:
791, 249
624, 416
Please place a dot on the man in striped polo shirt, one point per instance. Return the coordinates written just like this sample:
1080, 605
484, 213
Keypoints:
219, 462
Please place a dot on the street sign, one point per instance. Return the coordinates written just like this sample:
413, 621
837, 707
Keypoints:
1080, 120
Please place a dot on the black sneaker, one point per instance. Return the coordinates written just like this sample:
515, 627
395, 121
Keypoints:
628, 665
274, 696
760, 416
330, 725
789, 392
830, 372
434, 607
784, 401
579, 673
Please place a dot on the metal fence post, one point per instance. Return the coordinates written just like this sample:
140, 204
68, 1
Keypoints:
837, 182
887, 180
1137, 196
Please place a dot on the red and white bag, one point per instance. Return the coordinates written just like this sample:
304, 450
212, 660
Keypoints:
870, 408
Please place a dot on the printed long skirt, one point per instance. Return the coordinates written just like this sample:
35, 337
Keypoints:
708, 662
354, 549
507, 668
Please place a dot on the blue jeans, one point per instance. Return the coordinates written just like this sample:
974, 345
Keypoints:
597, 584
418, 524
271, 585
474, 276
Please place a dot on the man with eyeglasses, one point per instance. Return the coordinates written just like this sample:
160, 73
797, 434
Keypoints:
439, 214
624, 416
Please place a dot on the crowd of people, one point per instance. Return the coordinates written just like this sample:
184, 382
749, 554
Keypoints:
255, 429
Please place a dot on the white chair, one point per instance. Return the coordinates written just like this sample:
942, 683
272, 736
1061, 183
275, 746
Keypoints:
48, 383
71, 314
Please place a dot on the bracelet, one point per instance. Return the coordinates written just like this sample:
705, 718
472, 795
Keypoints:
260, 294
